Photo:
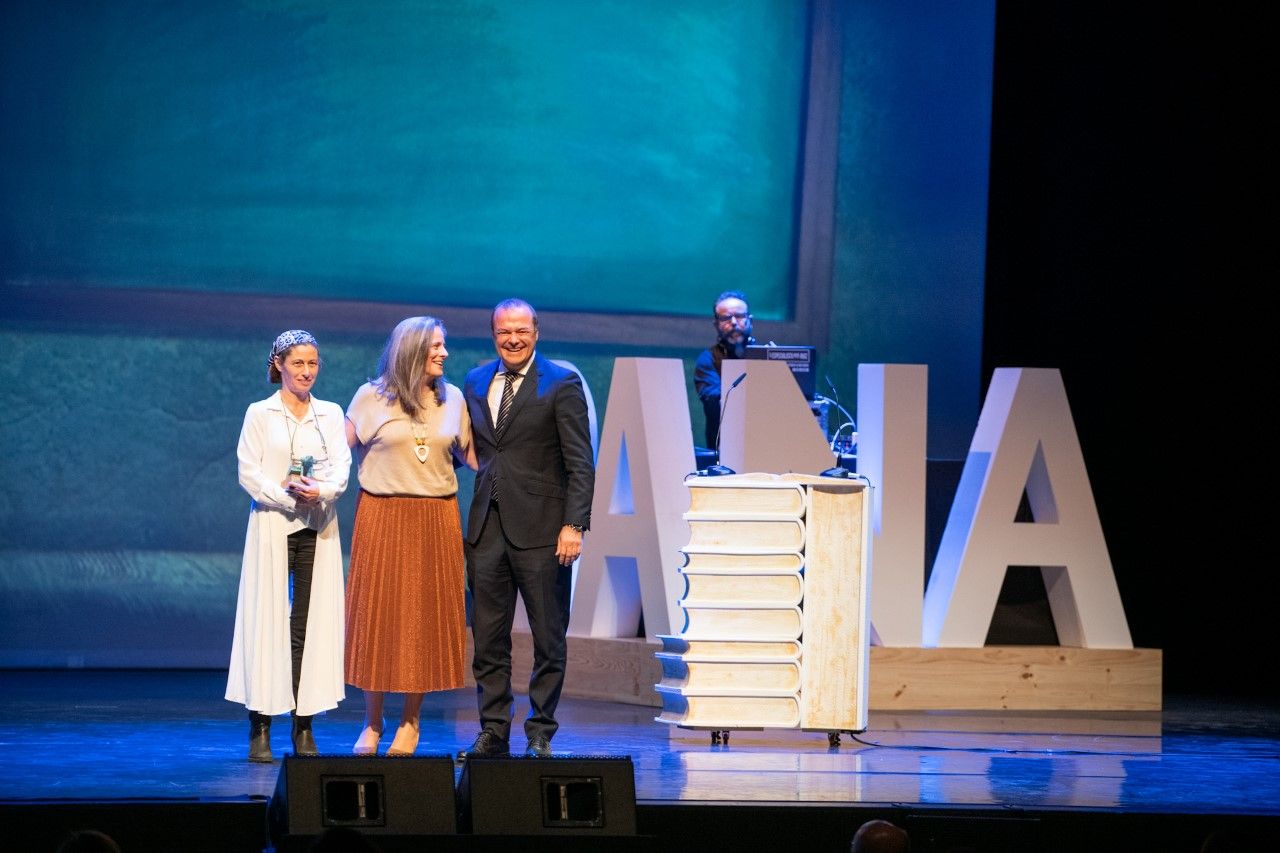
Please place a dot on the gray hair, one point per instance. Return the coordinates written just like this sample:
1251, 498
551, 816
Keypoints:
402, 366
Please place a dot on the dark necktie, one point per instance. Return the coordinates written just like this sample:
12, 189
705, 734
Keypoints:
504, 409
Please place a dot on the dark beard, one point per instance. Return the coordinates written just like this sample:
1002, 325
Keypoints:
739, 349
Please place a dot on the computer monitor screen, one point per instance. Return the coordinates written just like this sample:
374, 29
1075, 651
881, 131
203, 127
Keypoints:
803, 361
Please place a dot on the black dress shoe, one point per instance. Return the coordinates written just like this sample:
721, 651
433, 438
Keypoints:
486, 743
539, 747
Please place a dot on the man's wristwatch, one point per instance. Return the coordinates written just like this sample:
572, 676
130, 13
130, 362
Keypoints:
577, 527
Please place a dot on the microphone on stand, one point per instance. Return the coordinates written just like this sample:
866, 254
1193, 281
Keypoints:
718, 470
838, 471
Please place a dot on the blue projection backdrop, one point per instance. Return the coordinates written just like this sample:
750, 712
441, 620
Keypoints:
444, 152
619, 157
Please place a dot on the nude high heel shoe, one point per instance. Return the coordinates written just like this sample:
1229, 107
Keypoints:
406, 740
367, 743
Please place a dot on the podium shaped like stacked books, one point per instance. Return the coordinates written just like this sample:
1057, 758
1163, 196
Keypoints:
777, 630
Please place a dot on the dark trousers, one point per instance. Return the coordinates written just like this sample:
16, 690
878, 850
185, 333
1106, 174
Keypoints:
302, 557
495, 571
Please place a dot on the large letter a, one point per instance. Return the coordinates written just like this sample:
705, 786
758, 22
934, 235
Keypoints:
1025, 444
631, 558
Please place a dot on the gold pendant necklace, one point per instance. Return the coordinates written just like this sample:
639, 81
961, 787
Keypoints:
420, 449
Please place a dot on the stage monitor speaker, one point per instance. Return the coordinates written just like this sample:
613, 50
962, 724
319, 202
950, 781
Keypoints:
560, 795
412, 795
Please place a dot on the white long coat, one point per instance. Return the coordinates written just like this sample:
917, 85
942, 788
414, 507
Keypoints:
260, 675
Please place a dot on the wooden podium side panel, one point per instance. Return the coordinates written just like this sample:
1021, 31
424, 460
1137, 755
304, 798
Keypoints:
760, 536
729, 676
711, 562
741, 623
833, 691
760, 498
730, 650
727, 712
756, 590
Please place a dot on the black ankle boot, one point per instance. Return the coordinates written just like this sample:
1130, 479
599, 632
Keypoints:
259, 738
303, 741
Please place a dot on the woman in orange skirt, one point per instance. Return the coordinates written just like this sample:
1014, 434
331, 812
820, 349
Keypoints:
405, 614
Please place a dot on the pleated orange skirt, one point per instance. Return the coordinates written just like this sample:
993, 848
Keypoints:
406, 615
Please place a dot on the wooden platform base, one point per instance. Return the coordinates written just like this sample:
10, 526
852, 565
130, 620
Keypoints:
994, 678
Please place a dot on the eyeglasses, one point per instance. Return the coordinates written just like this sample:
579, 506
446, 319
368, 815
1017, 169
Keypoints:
512, 333
729, 318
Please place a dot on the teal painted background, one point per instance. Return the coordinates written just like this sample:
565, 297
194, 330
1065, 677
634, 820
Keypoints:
633, 156
911, 202
121, 518
437, 151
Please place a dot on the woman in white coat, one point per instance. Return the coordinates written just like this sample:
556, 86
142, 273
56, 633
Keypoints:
294, 462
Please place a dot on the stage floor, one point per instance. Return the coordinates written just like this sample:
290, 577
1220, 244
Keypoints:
109, 736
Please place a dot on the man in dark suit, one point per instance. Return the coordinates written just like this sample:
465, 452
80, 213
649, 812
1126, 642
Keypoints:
531, 506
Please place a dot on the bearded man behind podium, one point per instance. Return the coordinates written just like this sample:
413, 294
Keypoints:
531, 507
732, 320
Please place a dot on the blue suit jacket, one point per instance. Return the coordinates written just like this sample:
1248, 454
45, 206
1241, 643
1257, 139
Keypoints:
542, 460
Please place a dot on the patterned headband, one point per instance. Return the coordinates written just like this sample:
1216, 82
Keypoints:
291, 338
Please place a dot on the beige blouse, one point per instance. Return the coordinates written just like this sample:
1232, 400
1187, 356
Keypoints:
388, 464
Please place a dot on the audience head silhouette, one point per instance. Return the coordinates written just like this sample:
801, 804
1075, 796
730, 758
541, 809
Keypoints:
880, 836
88, 841
343, 839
